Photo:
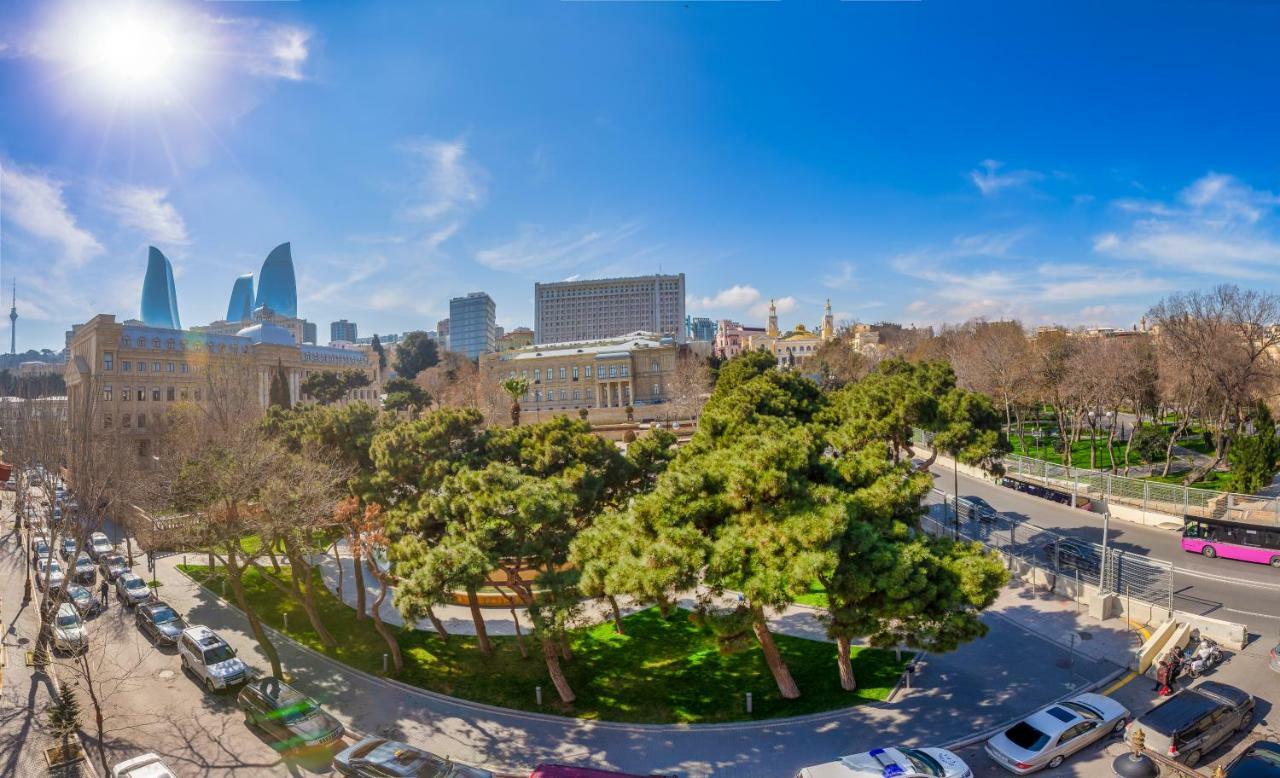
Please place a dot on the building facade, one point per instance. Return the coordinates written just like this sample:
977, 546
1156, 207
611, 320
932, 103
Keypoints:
608, 308
471, 324
442, 334
635, 369
701, 329
159, 295
343, 330
139, 371
518, 337
732, 338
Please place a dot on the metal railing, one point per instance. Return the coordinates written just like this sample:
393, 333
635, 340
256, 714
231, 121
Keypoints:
1111, 569
1171, 499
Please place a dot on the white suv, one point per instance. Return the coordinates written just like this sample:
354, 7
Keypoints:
68, 630
210, 659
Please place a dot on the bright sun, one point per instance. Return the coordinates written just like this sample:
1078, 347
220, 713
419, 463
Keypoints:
131, 52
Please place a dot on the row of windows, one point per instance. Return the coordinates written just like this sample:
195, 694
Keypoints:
140, 393
655, 392
180, 344
126, 421
127, 366
615, 371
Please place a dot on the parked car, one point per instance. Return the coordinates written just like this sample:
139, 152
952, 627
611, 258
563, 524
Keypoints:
49, 574
375, 757
86, 572
978, 508
160, 623
1196, 720
112, 565
292, 718
1274, 664
83, 599
39, 549
68, 630
210, 659
1260, 760
1073, 554
132, 590
68, 548
100, 544
1047, 737
899, 761
145, 766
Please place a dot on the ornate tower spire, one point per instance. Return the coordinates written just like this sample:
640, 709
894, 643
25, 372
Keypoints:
828, 323
771, 329
13, 320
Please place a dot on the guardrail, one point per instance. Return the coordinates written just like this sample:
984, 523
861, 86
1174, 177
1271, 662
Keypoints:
1109, 569
1171, 499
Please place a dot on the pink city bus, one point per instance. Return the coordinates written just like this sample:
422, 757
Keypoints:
1259, 543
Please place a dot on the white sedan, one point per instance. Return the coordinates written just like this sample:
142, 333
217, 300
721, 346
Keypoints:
1050, 735
897, 762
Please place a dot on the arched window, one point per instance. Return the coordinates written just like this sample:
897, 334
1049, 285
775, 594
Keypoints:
155, 343
125, 341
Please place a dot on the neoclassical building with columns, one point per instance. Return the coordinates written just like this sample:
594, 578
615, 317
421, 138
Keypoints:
633, 369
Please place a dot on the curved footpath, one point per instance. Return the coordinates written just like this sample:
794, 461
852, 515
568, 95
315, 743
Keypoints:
958, 695
1221, 588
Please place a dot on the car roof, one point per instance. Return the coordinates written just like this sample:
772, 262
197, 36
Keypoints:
1184, 707
1228, 693
68, 608
1261, 760
1054, 719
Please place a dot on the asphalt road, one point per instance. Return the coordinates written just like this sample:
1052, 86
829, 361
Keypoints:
1220, 588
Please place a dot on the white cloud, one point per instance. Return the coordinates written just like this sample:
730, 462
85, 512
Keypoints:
147, 210
450, 182
33, 201
358, 269
1217, 226
262, 48
737, 297
535, 250
844, 280
784, 305
990, 180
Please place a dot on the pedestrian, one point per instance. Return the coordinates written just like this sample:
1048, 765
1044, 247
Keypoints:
1175, 669
1162, 676
102, 590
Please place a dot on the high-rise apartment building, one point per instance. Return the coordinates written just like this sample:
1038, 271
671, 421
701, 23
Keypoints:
442, 335
471, 324
568, 311
342, 330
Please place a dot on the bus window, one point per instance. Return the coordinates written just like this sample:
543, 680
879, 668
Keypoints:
1191, 529
1250, 537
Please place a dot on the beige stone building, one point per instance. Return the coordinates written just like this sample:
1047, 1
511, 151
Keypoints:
139, 371
520, 337
634, 369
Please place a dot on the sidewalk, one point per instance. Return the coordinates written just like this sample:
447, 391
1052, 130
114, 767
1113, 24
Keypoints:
980, 686
25, 695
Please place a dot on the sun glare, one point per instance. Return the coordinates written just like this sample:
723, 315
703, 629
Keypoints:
132, 52
136, 50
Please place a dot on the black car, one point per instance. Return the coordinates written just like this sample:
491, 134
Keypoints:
84, 571
1073, 555
1261, 760
83, 599
979, 509
160, 623
68, 548
113, 565
292, 719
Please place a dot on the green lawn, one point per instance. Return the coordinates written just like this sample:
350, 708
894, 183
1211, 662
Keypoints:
1079, 452
1214, 480
661, 671
816, 596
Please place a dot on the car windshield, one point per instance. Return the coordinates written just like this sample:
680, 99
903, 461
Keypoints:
297, 711
922, 762
134, 583
1083, 711
80, 593
68, 620
217, 654
162, 615
84, 562
1026, 737
113, 561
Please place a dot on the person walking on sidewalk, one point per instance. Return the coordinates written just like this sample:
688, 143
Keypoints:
1162, 676
1175, 669
103, 590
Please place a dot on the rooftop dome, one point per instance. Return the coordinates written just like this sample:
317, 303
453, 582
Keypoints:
266, 332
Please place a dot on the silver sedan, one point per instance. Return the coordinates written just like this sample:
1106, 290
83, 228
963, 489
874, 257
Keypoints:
1050, 735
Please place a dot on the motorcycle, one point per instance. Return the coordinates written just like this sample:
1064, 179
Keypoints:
1202, 658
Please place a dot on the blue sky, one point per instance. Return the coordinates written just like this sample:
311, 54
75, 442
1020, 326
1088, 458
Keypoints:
920, 162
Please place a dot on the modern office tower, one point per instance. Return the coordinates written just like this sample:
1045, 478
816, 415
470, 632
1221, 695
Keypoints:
343, 330
568, 311
308, 332
471, 324
277, 288
701, 329
442, 335
240, 306
159, 298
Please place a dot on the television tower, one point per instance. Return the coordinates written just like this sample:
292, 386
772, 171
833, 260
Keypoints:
13, 320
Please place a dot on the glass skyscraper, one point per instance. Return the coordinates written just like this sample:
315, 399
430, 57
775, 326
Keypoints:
471, 324
159, 298
277, 288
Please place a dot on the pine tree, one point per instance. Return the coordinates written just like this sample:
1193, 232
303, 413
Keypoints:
278, 392
64, 714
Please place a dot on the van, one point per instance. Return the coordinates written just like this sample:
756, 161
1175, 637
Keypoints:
1194, 721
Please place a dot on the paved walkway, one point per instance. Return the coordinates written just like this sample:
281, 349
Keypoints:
980, 686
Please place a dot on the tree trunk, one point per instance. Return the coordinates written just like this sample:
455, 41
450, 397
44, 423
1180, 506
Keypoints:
271, 552
1173, 438
515, 414
847, 680
437, 624
235, 574
524, 651
617, 614
482, 634
357, 563
553, 668
393, 647
304, 590
566, 650
777, 665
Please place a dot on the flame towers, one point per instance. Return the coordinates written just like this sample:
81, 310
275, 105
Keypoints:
159, 298
277, 288
240, 308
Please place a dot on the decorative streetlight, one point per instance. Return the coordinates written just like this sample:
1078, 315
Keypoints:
1135, 764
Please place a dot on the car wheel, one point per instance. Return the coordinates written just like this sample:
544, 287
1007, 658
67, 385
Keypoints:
1119, 727
1275, 561
1208, 552
1054, 762
208, 684
1192, 759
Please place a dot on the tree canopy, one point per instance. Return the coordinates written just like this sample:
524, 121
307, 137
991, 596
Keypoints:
330, 386
415, 352
405, 395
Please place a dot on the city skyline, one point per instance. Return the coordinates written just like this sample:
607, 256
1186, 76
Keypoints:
875, 158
